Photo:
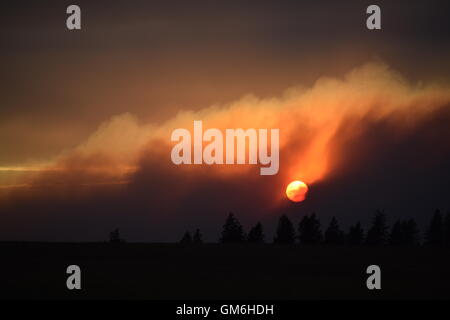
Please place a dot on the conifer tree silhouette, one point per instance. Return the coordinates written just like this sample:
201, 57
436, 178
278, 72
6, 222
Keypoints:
285, 231
256, 234
309, 230
447, 229
377, 234
114, 236
197, 239
411, 233
232, 231
356, 234
333, 234
404, 233
397, 236
187, 239
435, 233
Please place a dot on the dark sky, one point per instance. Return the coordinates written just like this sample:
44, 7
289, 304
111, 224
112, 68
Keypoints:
143, 62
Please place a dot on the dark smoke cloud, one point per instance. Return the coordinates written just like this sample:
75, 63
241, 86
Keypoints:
370, 141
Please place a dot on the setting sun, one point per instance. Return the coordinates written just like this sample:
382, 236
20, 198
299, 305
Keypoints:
296, 191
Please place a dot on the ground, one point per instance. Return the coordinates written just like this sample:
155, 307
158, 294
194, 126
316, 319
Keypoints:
212, 271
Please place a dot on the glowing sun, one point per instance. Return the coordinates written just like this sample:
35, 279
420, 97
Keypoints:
296, 191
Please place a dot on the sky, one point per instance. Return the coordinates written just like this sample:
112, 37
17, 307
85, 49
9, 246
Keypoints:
86, 116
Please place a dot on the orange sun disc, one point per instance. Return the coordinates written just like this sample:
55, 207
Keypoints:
296, 191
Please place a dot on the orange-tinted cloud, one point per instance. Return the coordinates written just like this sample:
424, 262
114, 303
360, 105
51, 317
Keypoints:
326, 131
308, 118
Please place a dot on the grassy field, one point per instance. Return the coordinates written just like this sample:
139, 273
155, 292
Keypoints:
212, 271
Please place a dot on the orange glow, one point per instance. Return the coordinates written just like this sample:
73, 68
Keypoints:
315, 123
296, 191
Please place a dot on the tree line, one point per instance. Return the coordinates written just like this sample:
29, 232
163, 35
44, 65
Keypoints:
309, 231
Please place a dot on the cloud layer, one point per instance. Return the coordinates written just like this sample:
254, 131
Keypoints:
357, 141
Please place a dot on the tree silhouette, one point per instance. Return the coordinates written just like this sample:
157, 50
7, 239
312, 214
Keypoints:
447, 229
377, 234
404, 233
411, 233
285, 231
187, 239
256, 234
197, 237
232, 231
435, 232
397, 236
333, 234
114, 237
309, 230
356, 234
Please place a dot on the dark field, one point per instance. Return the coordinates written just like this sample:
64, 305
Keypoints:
211, 271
